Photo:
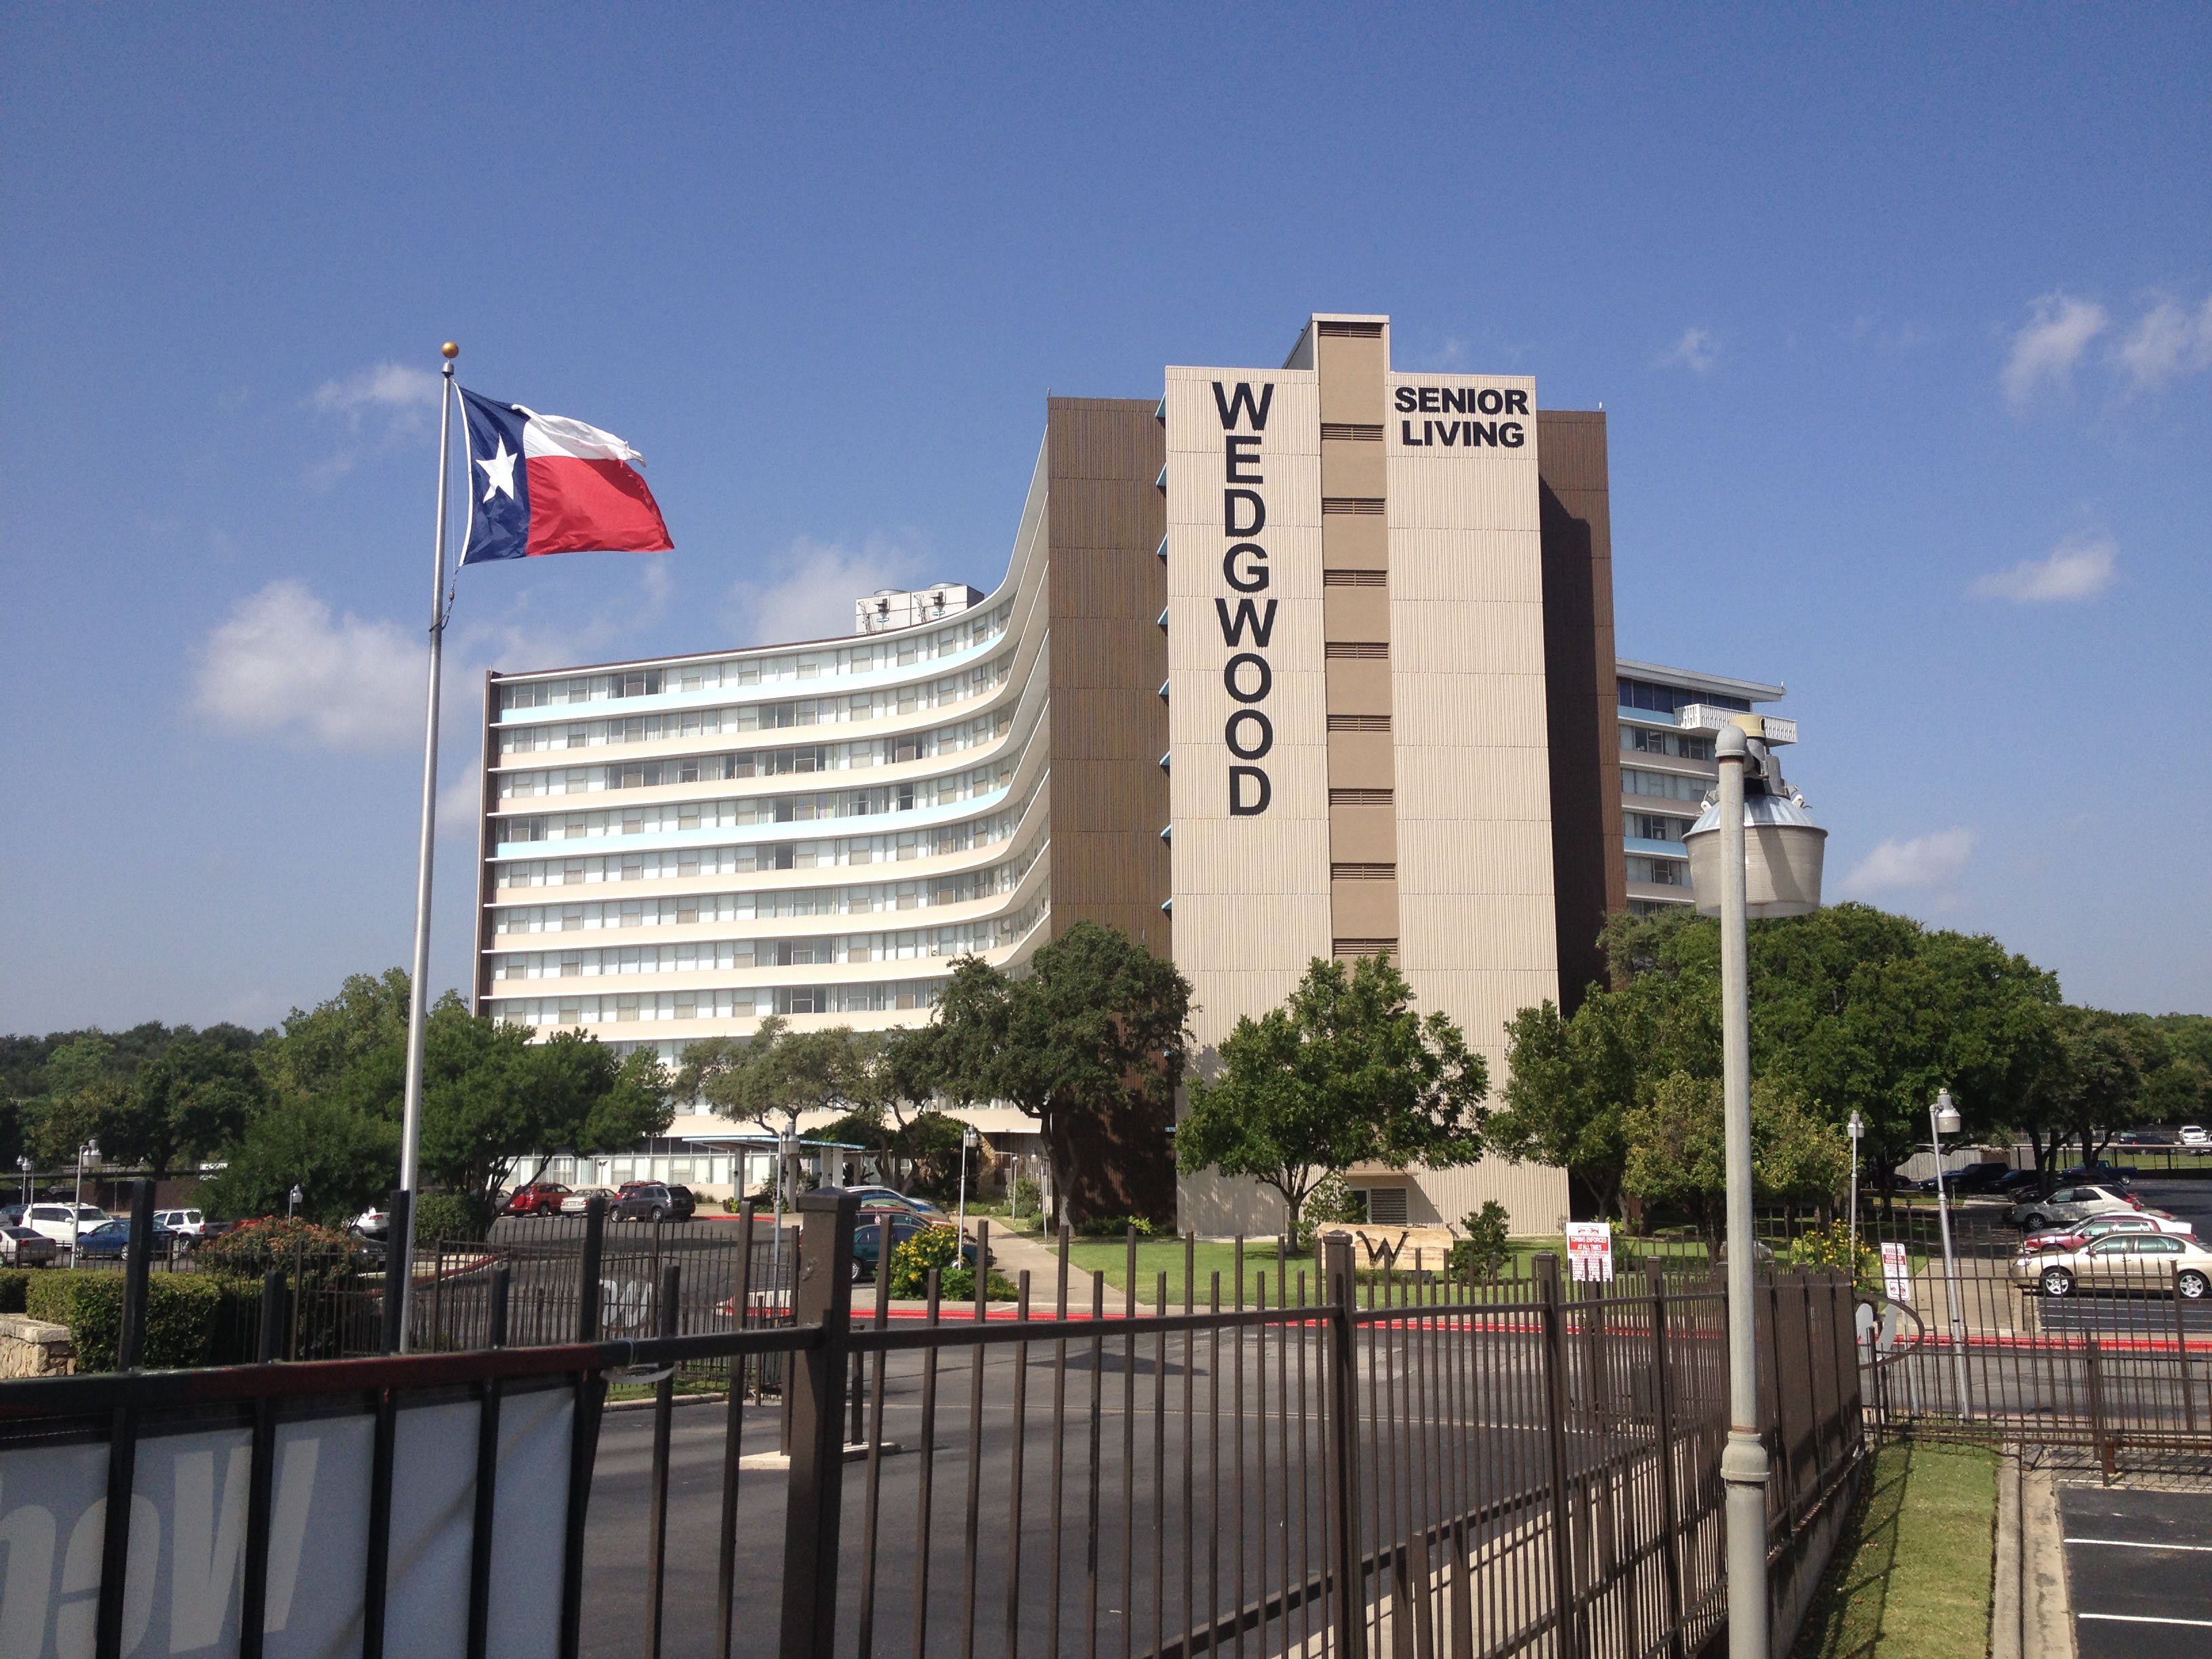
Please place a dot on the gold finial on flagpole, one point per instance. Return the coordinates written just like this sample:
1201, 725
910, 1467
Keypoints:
449, 351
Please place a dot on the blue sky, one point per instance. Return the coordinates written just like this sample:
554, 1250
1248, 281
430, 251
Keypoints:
1903, 325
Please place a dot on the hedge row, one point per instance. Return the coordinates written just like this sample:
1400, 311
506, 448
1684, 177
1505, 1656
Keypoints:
190, 1319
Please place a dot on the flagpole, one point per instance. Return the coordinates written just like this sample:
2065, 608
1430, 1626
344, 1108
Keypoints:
399, 1251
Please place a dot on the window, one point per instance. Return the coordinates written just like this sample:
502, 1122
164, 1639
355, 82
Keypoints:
1665, 785
2155, 1244
1668, 699
645, 683
1640, 740
1663, 872
1650, 826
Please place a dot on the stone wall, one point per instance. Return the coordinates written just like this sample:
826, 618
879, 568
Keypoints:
31, 1347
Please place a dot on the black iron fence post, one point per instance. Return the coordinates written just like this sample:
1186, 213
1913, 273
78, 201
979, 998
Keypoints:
398, 1217
1344, 1449
664, 1401
587, 1290
131, 1341
1555, 1412
1663, 1424
823, 1298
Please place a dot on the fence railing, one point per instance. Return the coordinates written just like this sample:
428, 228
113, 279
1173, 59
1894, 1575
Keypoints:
1423, 1465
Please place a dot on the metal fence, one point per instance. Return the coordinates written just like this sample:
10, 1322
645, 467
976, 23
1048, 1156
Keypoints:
2107, 1348
1308, 1463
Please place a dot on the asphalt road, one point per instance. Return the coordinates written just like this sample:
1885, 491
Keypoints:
1142, 1521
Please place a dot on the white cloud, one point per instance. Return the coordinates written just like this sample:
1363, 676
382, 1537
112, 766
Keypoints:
2079, 568
2051, 341
2169, 341
394, 391
1924, 864
280, 664
460, 800
812, 595
1697, 351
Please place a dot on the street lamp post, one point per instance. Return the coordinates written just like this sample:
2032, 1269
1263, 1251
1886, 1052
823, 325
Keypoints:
292, 1201
967, 1145
24, 1164
89, 1150
1943, 1120
1753, 851
1856, 1129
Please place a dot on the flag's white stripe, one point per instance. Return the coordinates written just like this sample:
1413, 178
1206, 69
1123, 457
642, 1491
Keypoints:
557, 435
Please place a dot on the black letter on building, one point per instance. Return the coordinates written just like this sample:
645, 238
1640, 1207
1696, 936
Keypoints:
1248, 615
1254, 576
1237, 806
1228, 524
1243, 459
1510, 433
1259, 745
1267, 676
1242, 403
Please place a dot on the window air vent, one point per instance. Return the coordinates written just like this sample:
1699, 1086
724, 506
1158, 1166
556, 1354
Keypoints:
1360, 650
1352, 431
1363, 872
1362, 947
1351, 330
1359, 722
1385, 1207
1371, 505
1355, 579
1359, 798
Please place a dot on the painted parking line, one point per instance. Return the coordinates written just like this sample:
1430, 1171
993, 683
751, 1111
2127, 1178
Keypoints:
2144, 1618
2140, 1544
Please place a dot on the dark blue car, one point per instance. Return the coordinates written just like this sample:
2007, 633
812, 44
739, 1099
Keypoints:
109, 1241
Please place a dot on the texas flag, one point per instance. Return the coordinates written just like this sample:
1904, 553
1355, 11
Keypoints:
542, 483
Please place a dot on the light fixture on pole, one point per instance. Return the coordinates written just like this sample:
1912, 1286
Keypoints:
292, 1199
1943, 1120
1754, 852
787, 1166
967, 1145
24, 1164
1856, 1129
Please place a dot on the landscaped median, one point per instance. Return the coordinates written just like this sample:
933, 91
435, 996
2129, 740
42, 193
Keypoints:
1911, 1578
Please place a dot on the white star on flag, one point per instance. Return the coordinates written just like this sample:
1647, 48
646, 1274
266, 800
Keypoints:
499, 472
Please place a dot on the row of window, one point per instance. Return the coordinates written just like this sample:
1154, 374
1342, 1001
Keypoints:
1668, 699
864, 899
974, 629
1666, 786
630, 1007
1653, 826
903, 945
1682, 746
712, 814
1665, 873
878, 704
707, 722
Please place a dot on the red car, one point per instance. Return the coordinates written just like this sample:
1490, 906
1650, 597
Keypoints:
539, 1198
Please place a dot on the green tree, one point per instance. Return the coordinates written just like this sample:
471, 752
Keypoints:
1344, 1072
1678, 1148
1090, 1041
85, 1087
1570, 1085
343, 1158
186, 1101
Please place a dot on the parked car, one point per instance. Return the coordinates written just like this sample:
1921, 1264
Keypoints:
867, 1241
2112, 1175
2020, 1182
1976, 1177
579, 1197
2098, 1226
652, 1201
19, 1247
53, 1221
371, 1223
2120, 1262
539, 1198
108, 1241
2194, 1135
886, 1197
190, 1223
2142, 1137
2065, 1206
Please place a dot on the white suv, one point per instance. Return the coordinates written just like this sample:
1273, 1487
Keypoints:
2192, 1134
52, 1220
192, 1224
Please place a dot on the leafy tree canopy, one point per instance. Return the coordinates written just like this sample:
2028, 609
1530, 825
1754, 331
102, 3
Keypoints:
1344, 1072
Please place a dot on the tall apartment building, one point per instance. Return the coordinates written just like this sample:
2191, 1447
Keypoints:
1294, 662
1665, 772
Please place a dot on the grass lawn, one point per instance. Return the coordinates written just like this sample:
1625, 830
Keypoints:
1910, 1575
1108, 1258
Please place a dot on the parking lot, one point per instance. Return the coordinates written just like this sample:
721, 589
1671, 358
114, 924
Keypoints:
2138, 1571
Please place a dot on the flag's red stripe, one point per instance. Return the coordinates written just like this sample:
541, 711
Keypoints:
581, 507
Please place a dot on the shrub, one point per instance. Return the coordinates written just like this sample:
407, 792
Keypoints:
15, 1286
933, 1247
1330, 1204
1029, 1196
1486, 1246
958, 1284
183, 1312
446, 1215
1831, 1246
1115, 1226
300, 1249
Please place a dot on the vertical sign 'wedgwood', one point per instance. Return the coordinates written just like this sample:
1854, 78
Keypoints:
1247, 625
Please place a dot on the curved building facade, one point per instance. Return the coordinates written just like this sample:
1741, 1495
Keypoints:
1287, 663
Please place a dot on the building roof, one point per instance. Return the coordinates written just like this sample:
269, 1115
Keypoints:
1691, 680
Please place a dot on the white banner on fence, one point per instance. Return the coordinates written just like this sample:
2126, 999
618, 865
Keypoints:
1590, 1251
1896, 1273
